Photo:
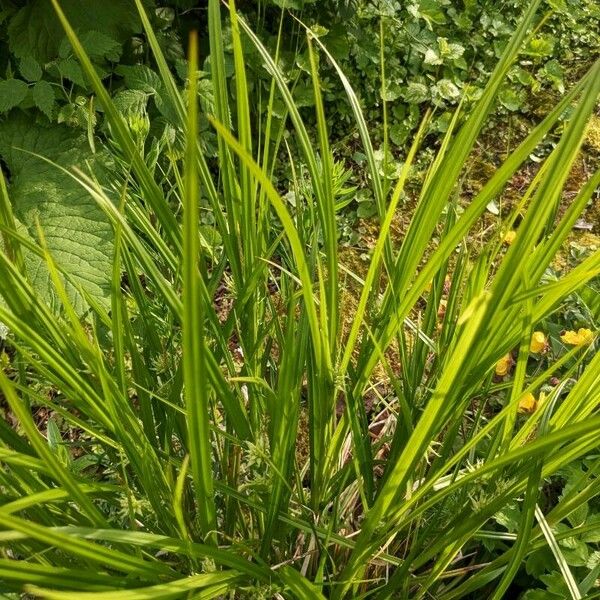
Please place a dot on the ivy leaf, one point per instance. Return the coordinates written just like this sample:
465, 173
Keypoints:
12, 93
30, 69
77, 232
43, 97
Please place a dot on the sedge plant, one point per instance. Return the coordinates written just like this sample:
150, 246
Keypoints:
225, 447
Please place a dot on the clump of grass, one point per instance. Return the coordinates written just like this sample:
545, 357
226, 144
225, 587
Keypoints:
190, 416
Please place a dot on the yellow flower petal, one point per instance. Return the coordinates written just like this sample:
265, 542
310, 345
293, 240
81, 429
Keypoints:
503, 365
527, 403
509, 238
538, 342
570, 337
583, 337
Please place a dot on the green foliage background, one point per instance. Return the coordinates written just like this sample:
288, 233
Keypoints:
436, 53
143, 341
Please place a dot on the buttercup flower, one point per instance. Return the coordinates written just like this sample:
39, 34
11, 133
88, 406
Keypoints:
583, 337
510, 236
527, 403
538, 342
503, 365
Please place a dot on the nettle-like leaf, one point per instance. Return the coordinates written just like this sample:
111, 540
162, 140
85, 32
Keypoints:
36, 32
44, 98
140, 77
446, 90
416, 93
12, 93
30, 69
77, 232
99, 46
70, 69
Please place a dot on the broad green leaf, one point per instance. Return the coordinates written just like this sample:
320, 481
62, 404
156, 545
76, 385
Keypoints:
98, 45
416, 93
432, 57
69, 69
12, 93
36, 32
447, 89
43, 97
140, 77
78, 234
30, 69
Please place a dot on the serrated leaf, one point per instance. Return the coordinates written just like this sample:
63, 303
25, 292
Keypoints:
416, 93
451, 51
30, 69
540, 46
12, 93
69, 69
36, 32
43, 97
140, 77
131, 102
447, 89
98, 45
77, 233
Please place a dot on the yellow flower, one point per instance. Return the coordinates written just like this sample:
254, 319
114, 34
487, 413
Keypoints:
583, 337
538, 342
509, 238
527, 403
503, 365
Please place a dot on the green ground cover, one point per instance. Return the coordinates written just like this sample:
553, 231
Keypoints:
302, 305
